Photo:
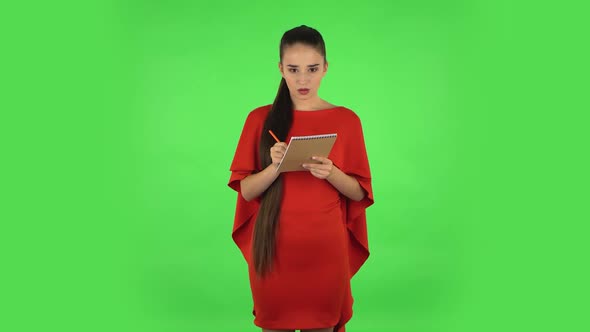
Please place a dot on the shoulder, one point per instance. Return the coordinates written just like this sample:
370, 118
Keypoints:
347, 115
255, 118
259, 113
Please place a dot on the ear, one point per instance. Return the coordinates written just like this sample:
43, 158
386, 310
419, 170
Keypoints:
281, 70
325, 67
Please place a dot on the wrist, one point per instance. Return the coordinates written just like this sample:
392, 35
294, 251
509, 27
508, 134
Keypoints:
333, 173
272, 169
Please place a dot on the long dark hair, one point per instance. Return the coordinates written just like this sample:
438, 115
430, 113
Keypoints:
279, 120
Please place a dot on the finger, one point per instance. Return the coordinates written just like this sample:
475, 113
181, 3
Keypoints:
319, 173
323, 160
317, 166
277, 150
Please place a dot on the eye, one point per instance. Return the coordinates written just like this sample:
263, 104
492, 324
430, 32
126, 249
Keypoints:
313, 70
292, 70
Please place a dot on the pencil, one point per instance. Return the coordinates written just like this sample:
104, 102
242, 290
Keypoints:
274, 136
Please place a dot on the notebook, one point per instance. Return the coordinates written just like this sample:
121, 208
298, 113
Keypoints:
302, 148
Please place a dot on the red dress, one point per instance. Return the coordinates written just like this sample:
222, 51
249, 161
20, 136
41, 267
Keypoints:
322, 236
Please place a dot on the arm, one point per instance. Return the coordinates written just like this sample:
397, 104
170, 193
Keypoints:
344, 183
254, 185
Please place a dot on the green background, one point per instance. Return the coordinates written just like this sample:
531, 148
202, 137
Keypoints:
120, 119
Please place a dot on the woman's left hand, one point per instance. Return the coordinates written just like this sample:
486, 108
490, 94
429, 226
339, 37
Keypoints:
320, 171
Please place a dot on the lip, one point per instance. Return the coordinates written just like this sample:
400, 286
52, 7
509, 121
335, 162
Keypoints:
303, 91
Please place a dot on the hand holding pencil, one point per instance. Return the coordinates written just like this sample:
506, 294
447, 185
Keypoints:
278, 150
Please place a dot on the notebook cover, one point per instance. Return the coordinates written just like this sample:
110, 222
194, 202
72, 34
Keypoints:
302, 148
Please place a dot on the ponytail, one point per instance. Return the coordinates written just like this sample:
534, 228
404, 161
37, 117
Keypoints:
279, 120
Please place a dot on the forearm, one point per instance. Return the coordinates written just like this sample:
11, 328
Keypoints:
346, 184
254, 185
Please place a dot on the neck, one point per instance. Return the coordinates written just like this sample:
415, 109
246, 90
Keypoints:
307, 105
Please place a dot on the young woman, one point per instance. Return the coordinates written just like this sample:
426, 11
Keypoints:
303, 234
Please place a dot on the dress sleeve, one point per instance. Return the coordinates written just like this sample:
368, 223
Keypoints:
356, 164
245, 162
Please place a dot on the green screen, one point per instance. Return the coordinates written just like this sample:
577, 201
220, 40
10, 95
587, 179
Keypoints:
202, 69
121, 120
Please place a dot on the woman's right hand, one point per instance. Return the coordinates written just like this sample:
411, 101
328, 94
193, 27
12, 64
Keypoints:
277, 152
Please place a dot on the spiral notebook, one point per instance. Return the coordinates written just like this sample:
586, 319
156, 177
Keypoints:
302, 148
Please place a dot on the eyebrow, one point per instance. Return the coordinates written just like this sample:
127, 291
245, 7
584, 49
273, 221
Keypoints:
309, 66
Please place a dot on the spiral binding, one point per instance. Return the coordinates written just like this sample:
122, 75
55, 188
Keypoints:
305, 138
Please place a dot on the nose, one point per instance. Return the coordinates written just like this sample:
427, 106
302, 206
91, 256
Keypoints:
302, 77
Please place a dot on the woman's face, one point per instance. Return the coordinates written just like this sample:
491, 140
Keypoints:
303, 69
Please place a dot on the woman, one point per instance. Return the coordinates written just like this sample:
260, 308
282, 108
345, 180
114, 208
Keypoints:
303, 234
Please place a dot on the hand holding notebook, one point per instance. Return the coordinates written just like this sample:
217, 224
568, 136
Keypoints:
302, 148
